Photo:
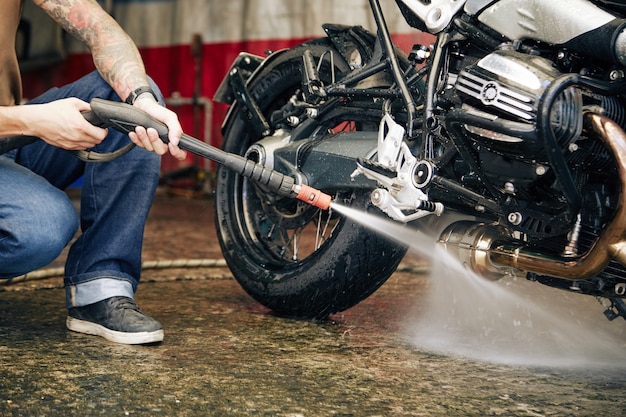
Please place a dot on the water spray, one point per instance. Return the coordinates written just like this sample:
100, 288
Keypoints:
125, 118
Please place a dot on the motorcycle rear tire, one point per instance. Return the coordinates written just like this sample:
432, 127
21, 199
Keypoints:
348, 267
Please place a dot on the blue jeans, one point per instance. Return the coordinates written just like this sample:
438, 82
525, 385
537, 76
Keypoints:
37, 219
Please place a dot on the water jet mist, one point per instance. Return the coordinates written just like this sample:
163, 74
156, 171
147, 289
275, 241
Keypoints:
511, 321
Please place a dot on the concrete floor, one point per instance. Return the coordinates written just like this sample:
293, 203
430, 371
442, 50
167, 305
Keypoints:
414, 348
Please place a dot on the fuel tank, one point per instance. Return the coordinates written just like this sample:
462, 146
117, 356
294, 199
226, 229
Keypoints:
555, 22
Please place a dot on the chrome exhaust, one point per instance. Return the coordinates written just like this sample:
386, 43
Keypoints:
471, 243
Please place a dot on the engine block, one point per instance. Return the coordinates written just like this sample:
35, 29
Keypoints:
507, 81
507, 87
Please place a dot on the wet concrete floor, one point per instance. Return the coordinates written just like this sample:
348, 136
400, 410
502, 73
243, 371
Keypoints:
226, 355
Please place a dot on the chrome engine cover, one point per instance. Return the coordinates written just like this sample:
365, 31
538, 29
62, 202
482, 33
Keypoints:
509, 85
507, 81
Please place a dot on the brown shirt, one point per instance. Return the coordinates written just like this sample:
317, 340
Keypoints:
10, 79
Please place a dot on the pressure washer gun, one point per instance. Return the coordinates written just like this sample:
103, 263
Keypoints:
125, 118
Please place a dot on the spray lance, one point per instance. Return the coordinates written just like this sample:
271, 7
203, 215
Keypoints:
125, 118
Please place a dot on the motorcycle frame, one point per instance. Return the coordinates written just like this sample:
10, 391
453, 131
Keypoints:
348, 39
379, 54
244, 70
384, 59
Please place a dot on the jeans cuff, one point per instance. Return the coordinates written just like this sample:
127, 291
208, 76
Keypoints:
92, 291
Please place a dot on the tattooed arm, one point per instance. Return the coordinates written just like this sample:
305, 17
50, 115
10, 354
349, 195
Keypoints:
115, 55
118, 61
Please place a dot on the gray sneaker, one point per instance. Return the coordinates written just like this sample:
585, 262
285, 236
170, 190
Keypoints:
117, 319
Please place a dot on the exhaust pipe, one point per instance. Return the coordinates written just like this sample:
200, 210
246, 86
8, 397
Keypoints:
490, 251
471, 243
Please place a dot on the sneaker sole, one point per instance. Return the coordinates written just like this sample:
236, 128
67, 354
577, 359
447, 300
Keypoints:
127, 338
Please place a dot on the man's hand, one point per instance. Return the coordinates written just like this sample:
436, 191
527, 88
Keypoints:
149, 139
61, 124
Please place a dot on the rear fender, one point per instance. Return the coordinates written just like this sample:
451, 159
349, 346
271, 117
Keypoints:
354, 43
247, 65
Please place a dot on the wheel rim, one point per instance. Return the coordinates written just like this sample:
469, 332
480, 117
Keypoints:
286, 231
283, 229
279, 232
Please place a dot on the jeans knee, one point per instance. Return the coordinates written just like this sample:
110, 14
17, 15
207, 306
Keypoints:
37, 236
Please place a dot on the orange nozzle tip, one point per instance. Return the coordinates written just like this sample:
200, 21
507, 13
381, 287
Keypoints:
314, 197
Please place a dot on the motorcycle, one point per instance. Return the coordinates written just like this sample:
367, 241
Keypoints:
507, 133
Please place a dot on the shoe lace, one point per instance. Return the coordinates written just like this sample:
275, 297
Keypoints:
126, 303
